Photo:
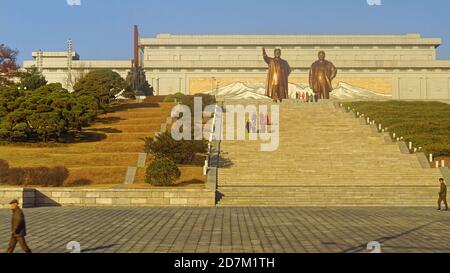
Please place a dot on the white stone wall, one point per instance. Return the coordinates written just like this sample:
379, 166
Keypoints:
55, 67
26, 197
426, 86
77, 197
171, 62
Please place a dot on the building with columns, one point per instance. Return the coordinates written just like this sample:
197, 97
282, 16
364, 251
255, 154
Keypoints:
404, 66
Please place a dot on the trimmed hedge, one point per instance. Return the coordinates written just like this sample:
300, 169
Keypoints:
38, 176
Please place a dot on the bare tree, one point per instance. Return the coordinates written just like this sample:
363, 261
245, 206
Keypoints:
8, 66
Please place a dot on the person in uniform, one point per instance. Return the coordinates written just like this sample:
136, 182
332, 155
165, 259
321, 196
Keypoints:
18, 228
443, 194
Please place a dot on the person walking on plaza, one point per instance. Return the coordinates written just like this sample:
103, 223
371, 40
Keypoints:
443, 195
18, 228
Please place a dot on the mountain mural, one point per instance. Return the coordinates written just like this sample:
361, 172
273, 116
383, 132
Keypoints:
343, 91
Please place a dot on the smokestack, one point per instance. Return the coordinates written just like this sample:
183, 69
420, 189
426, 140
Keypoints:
136, 46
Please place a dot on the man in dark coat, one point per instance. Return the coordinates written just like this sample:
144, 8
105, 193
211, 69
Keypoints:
321, 75
442, 194
18, 228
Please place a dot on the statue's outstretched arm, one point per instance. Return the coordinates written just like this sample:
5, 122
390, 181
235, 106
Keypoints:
266, 58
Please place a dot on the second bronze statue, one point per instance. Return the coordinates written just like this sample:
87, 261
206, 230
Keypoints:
321, 75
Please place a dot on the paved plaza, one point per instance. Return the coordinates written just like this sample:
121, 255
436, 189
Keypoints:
236, 230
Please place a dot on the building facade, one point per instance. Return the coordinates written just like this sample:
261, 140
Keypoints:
404, 66
66, 67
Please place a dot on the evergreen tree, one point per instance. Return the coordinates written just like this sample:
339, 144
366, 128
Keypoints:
32, 79
103, 84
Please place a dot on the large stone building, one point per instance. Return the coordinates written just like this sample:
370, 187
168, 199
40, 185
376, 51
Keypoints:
404, 66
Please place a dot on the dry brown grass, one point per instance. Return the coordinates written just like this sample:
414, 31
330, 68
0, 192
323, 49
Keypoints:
103, 159
130, 128
440, 158
98, 175
129, 137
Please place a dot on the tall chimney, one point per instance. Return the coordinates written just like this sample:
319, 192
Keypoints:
136, 46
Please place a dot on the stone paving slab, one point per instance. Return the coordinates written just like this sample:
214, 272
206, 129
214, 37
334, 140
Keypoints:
233, 230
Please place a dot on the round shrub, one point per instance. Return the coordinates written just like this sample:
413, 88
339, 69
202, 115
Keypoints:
174, 97
162, 172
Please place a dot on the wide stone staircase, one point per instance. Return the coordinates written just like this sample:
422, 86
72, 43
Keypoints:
325, 158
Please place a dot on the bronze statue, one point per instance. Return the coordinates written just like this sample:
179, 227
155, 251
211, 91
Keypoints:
321, 75
277, 76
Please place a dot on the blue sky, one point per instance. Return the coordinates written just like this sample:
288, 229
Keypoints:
102, 29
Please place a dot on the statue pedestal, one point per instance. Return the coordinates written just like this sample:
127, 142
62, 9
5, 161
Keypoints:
137, 80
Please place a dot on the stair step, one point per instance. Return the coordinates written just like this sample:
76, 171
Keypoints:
325, 157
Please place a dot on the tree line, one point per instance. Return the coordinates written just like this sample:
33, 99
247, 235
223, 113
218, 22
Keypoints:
31, 109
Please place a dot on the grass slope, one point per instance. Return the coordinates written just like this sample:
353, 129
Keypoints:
426, 124
105, 150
